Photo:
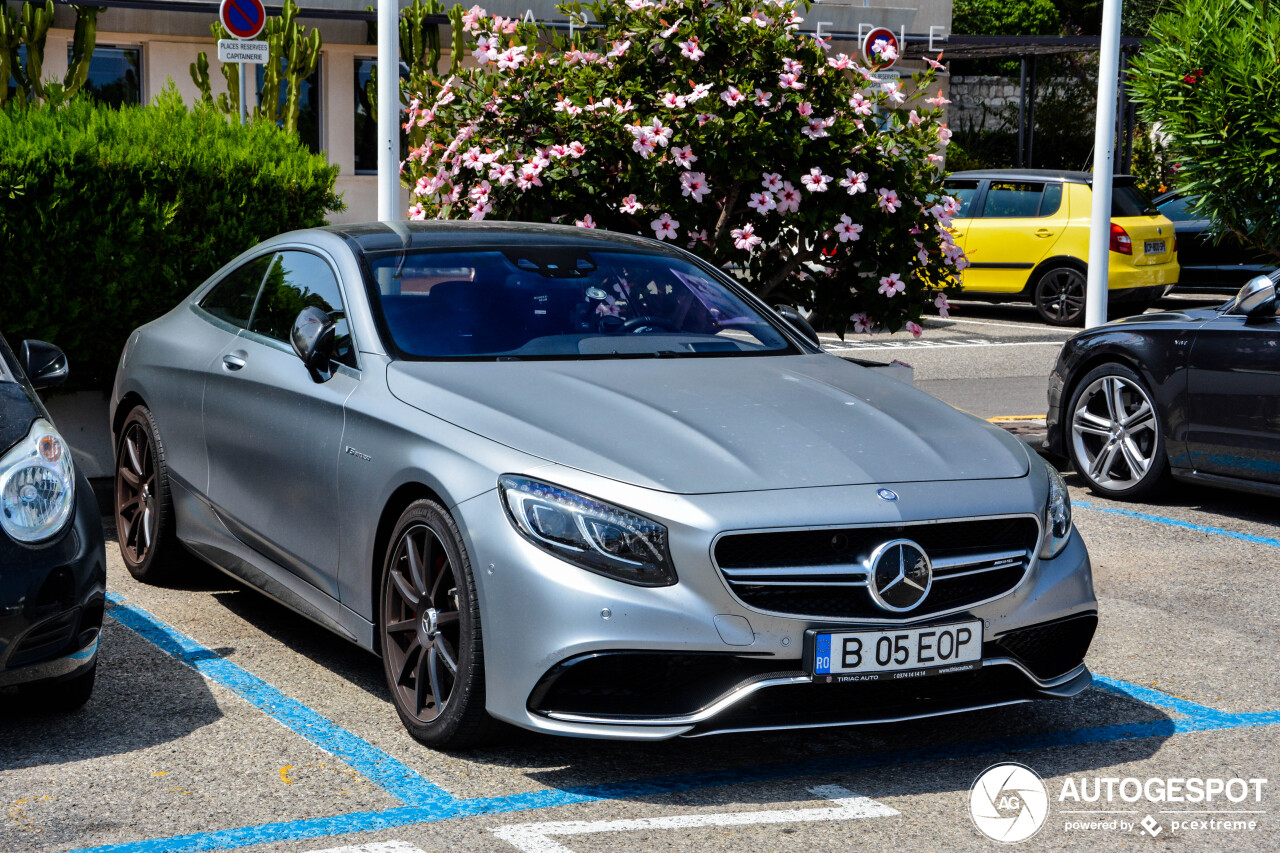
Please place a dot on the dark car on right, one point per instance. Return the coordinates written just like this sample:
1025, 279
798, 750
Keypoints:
1192, 394
1209, 264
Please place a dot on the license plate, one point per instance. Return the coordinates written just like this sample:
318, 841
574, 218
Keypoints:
898, 653
1153, 247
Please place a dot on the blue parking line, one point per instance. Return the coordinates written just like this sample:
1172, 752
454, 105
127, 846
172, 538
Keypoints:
1186, 525
399, 780
427, 803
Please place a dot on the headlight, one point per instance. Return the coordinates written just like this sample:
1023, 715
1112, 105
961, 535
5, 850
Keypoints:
1057, 515
588, 533
37, 485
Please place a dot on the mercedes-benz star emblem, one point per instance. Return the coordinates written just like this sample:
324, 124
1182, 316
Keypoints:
900, 575
886, 494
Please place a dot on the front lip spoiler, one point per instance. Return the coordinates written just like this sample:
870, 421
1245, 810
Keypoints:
1063, 686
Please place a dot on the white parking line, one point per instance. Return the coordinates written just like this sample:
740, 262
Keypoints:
375, 847
951, 343
1044, 328
535, 837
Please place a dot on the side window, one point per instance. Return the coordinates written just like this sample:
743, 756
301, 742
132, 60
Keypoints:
1052, 199
232, 298
295, 281
965, 192
1012, 199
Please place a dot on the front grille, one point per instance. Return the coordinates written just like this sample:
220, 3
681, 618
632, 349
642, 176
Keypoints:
820, 572
1053, 648
46, 639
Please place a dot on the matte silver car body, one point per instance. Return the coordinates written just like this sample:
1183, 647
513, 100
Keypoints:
291, 484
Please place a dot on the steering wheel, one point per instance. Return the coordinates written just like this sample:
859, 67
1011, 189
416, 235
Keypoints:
635, 324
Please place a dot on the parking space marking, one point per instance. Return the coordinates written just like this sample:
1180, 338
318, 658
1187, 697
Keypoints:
536, 837
399, 780
928, 343
1186, 525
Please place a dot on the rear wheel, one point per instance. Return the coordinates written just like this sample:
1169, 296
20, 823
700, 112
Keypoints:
144, 509
429, 624
1116, 441
1059, 296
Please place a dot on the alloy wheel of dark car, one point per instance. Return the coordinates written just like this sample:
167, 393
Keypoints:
430, 631
1059, 296
1115, 436
144, 510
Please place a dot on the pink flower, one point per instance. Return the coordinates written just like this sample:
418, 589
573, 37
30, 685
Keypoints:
805, 109
938, 100
861, 323
788, 198
700, 91
731, 96
817, 128
935, 64
854, 182
861, 106
772, 181
789, 81
694, 184
563, 106
630, 205
696, 237
914, 329
892, 284
485, 49
672, 101
664, 227
502, 173
512, 57
944, 307
944, 135
703, 118
815, 181
762, 98
471, 18
645, 145
888, 201
479, 209
585, 222
576, 149
914, 118
894, 91
671, 30
417, 212
684, 156
691, 51
840, 62
849, 231
745, 237
791, 66
480, 192
619, 48
763, 202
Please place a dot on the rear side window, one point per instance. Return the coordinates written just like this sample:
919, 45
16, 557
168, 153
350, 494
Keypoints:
232, 298
964, 192
295, 281
1014, 200
1128, 200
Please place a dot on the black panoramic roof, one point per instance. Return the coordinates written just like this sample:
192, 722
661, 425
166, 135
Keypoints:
1061, 175
436, 234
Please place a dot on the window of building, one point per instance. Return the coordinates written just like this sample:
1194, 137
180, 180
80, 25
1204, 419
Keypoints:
366, 127
115, 75
308, 104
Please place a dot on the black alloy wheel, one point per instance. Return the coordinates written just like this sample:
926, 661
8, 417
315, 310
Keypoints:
1059, 296
430, 631
144, 509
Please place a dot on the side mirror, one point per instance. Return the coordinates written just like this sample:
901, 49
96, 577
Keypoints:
798, 322
1257, 297
44, 364
313, 339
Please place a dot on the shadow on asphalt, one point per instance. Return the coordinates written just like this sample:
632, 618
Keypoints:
1212, 501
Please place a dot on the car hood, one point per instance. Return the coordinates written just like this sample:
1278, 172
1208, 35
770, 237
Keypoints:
705, 425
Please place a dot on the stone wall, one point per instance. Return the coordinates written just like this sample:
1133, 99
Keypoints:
976, 100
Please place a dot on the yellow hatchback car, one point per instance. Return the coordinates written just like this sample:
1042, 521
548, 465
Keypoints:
1025, 233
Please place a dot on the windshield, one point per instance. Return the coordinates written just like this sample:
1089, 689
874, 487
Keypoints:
536, 302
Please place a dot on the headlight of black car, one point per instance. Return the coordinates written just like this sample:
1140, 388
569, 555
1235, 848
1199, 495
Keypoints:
590, 534
1057, 516
37, 485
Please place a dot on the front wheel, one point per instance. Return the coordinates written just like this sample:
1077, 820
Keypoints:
144, 509
429, 626
1116, 441
1059, 296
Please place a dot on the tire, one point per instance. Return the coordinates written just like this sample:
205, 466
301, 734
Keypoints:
63, 697
429, 630
1058, 296
144, 507
1114, 435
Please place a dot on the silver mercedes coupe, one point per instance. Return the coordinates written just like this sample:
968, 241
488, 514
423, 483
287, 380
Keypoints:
587, 484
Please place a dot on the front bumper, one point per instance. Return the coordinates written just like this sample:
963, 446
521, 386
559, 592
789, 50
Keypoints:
691, 659
52, 598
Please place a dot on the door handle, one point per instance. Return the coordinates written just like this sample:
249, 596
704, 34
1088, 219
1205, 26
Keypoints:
233, 362
1044, 232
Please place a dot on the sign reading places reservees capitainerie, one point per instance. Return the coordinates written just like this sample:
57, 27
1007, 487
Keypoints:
235, 50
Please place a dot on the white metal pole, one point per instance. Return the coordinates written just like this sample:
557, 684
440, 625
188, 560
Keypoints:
388, 110
1095, 304
244, 95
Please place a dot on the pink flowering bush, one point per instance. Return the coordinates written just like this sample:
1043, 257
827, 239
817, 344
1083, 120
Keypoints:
714, 126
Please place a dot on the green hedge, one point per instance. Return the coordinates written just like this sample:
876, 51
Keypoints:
108, 217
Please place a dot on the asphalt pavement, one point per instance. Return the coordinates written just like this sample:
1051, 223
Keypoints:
223, 721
